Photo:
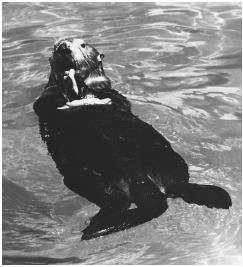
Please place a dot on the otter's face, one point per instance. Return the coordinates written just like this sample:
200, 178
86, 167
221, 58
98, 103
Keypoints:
75, 54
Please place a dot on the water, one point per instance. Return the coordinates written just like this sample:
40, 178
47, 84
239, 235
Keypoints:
180, 65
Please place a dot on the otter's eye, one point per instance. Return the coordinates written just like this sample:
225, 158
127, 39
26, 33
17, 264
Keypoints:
83, 45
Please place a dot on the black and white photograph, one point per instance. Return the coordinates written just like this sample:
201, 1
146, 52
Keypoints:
122, 133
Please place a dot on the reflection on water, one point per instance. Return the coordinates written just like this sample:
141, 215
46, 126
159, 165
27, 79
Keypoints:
180, 65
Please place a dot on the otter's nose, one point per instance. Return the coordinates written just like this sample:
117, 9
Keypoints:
64, 49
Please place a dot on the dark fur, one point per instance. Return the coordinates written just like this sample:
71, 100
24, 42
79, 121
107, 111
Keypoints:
111, 157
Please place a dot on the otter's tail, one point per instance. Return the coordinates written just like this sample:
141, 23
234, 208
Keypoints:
208, 195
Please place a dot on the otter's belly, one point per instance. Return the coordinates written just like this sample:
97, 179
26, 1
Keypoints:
115, 145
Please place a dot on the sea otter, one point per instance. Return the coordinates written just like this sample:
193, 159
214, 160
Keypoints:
106, 153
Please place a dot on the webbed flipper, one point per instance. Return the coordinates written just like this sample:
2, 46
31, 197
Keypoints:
150, 201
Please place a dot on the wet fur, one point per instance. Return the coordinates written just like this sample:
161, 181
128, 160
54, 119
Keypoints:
111, 157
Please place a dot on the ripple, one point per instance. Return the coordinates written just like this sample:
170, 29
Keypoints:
229, 116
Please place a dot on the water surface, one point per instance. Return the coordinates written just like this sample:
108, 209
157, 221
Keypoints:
180, 65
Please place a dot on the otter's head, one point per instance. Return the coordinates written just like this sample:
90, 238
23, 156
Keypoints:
72, 53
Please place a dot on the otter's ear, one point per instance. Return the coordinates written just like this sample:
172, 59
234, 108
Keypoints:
100, 57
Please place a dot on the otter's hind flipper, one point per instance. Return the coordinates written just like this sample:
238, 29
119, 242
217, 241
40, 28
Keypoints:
208, 195
150, 201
